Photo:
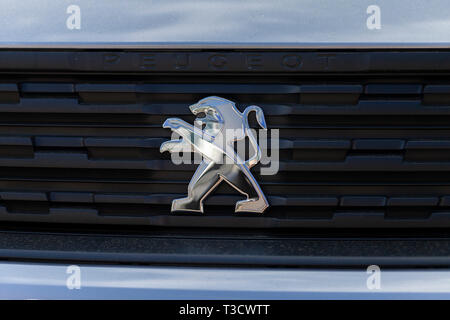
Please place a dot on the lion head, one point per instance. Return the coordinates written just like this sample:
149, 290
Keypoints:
219, 113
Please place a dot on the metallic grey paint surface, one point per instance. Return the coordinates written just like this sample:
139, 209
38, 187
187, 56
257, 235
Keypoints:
225, 23
48, 281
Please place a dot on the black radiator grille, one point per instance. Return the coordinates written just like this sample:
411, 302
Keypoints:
357, 149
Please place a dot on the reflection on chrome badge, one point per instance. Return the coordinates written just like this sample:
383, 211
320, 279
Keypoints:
214, 136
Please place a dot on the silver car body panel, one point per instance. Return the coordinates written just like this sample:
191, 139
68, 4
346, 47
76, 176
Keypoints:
224, 24
49, 281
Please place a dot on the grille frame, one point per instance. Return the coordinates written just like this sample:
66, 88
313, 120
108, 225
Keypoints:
307, 81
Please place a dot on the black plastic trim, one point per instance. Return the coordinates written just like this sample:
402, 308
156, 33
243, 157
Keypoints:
217, 250
256, 61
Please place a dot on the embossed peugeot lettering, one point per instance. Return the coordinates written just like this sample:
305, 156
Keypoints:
211, 138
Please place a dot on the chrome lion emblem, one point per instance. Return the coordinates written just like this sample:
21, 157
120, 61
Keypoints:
220, 162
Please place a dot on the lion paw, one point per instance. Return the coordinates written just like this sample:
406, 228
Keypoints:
186, 204
251, 205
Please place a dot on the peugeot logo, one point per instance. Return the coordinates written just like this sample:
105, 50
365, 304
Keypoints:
214, 136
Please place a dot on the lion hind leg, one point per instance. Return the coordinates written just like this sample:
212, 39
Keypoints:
203, 182
257, 205
256, 201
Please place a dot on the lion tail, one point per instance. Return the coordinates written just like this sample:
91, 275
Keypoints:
259, 115
262, 122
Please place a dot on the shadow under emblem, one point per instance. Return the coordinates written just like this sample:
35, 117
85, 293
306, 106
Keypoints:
220, 160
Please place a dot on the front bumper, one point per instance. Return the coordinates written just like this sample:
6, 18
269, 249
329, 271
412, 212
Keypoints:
56, 281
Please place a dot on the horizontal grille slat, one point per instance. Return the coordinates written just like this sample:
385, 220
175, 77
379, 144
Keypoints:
357, 144
394, 89
190, 88
47, 88
351, 163
362, 108
219, 200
